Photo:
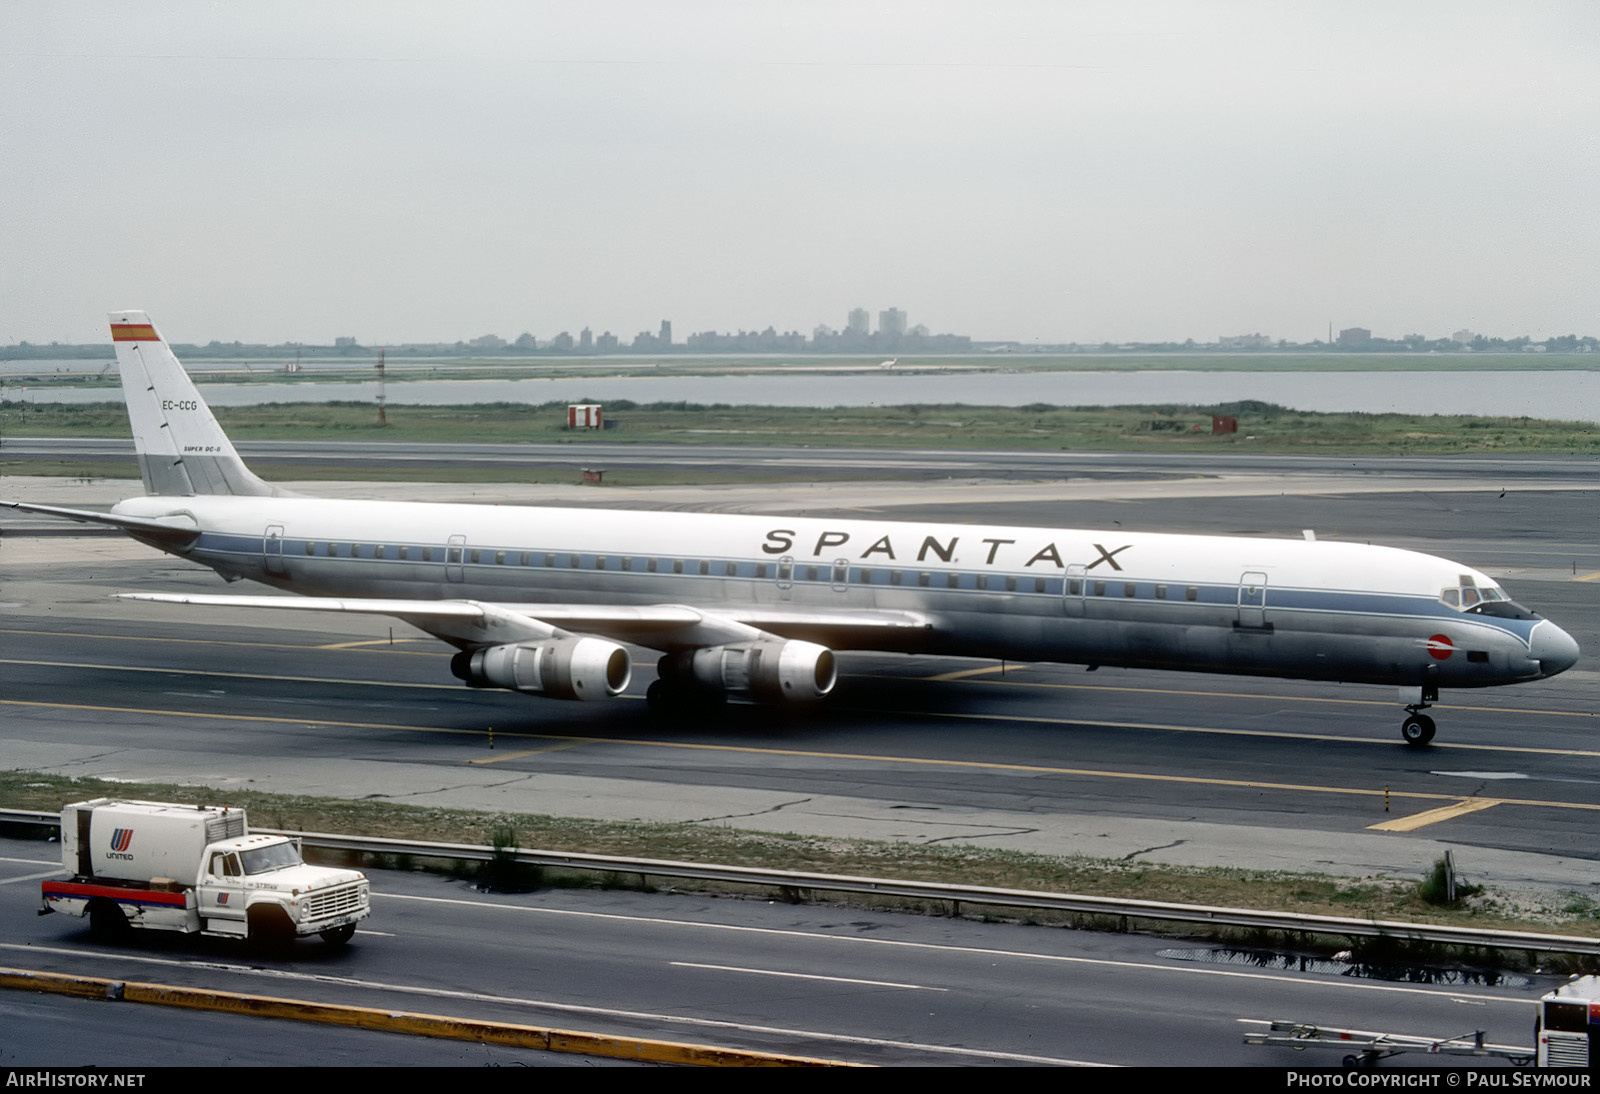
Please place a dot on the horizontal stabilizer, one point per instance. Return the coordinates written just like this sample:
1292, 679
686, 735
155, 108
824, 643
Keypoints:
170, 530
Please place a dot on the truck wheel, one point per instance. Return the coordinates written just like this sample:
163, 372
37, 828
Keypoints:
270, 928
338, 936
106, 920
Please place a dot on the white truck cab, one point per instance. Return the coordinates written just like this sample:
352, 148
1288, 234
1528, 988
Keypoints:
196, 870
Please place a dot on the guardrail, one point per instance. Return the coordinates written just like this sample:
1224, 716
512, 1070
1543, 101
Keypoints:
1122, 907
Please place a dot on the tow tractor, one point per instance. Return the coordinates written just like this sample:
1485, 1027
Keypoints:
1364, 1048
1566, 1029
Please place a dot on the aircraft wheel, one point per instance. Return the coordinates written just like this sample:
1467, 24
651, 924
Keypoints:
1417, 730
669, 698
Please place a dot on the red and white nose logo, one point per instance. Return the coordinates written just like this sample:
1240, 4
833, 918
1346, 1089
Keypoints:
1440, 647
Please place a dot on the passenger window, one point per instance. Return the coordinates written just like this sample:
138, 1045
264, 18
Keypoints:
731, 569
953, 580
705, 567
1011, 584
404, 551
499, 558
1191, 593
1099, 588
311, 548
1130, 589
677, 565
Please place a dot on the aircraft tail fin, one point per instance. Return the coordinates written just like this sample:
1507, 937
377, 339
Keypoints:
181, 448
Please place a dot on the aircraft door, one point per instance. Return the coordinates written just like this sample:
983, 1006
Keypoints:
453, 557
1072, 590
272, 550
1253, 600
785, 577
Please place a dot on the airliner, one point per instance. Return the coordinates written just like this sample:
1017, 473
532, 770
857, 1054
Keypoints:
545, 600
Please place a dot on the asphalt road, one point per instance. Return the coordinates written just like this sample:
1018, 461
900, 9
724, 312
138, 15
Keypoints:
842, 984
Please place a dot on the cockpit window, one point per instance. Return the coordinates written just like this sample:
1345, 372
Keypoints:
1483, 600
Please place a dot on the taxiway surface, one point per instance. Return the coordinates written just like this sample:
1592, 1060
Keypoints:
1136, 765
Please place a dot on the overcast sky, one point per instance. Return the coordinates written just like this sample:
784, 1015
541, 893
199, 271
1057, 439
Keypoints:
1050, 171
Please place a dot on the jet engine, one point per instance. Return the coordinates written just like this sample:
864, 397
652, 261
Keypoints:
786, 671
562, 668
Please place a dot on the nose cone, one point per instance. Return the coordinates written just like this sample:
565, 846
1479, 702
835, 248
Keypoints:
1554, 649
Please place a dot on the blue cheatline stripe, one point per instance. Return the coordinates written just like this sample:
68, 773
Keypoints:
1280, 600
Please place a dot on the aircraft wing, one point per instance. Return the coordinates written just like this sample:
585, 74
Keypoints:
659, 626
174, 530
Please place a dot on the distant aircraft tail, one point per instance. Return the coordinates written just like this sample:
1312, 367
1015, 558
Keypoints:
181, 448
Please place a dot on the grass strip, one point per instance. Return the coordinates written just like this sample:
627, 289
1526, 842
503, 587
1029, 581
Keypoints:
1262, 427
1318, 894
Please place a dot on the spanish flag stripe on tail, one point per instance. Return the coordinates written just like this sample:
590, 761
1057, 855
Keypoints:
133, 332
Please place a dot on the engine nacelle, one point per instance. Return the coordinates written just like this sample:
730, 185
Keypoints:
562, 668
791, 671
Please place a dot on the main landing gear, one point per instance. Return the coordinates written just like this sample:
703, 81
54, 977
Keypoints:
1417, 729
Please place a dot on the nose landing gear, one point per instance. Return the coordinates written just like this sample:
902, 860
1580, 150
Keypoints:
1417, 729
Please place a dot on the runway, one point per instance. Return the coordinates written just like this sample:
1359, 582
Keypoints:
1157, 767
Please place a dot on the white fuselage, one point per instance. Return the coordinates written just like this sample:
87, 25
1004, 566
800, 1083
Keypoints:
1293, 608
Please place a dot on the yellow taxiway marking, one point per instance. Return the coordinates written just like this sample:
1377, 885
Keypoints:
856, 757
556, 746
964, 673
1235, 732
367, 642
1434, 816
1589, 577
230, 675
1027, 719
1134, 690
210, 642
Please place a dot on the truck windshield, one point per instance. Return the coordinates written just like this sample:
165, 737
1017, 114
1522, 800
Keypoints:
275, 856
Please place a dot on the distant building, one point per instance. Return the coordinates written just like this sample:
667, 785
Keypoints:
666, 333
1463, 337
606, 343
1355, 337
892, 323
586, 341
344, 343
1244, 341
488, 341
860, 323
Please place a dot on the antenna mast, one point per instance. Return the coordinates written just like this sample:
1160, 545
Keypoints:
383, 418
